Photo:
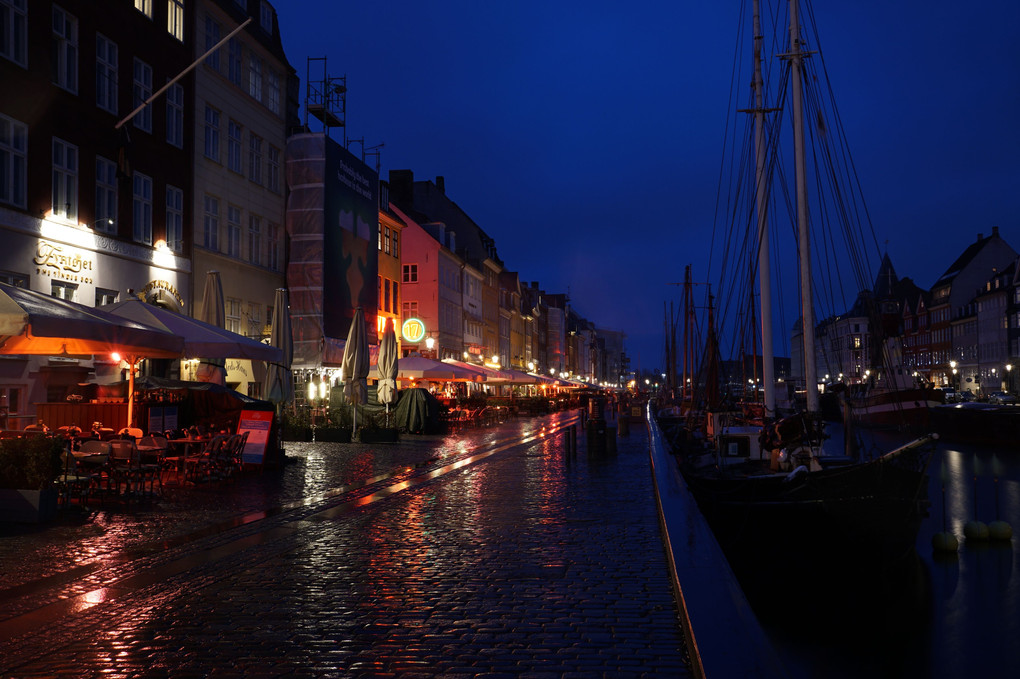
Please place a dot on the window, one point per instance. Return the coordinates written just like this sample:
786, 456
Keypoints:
234, 231
234, 61
273, 246
396, 251
18, 280
234, 146
266, 17
386, 295
62, 290
255, 239
254, 76
255, 158
273, 169
144, 6
396, 297
64, 62
142, 90
106, 74
13, 161
211, 224
175, 116
212, 36
142, 209
65, 179
12, 398
410, 273
212, 134
409, 310
106, 195
273, 95
14, 31
174, 218
254, 319
175, 18
232, 311
386, 245
104, 296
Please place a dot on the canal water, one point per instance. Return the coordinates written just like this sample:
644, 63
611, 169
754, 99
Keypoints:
936, 615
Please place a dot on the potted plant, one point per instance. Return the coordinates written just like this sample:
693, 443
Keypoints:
370, 431
29, 466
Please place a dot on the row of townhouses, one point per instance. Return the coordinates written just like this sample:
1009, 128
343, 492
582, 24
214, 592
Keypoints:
103, 198
962, 332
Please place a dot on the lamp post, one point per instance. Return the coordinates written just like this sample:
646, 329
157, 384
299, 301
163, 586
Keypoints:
1009, 377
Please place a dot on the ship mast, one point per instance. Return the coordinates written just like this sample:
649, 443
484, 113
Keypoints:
761, 197
807, 305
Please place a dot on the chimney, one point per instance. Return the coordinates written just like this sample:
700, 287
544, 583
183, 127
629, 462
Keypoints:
981, 237
441, 184
995, 231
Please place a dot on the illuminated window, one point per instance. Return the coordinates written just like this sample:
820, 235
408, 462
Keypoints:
175, 18
14, 31
64, 61
106, 74
144, 6
174, 218
106, 195
63, 290
65, 179
232, 312
13, 161
104, 296
386, 245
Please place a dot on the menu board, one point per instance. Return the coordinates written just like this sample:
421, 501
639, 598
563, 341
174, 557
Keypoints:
257, 424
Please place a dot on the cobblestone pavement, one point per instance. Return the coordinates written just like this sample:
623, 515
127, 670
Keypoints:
493, 553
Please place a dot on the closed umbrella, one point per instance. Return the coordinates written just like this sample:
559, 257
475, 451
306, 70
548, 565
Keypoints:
387, 367
354, 366
278, 386
213, 369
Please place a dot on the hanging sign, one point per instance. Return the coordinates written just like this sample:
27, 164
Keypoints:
413, 330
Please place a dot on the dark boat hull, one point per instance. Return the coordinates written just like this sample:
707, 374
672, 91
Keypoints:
909, 408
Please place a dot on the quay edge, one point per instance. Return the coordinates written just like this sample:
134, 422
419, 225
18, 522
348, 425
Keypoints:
723, 634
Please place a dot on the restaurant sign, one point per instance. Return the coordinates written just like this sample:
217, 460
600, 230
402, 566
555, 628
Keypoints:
62, 263
413, 330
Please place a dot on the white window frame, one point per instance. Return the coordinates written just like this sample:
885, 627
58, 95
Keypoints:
106, 196
175, 18
273, 169
13, 162
212, 134
145, 7
64, 63
141, 226
211, 223
65, 179
234, 132
106, 73
233, 231
14, 38
64, 290
254, 76
235, 63
174, 218
255, 239
232, 314
141, 91
175, 115
255, 158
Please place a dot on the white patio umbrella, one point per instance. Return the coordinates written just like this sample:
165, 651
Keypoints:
354, 366
213, 312
278, 386
387, 367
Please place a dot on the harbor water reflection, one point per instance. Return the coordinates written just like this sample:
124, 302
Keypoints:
936, 615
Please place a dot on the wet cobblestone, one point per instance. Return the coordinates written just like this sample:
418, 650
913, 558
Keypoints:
530, 563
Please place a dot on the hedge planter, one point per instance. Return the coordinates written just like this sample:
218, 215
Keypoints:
27, 506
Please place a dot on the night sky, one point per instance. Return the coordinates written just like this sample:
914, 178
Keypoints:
586, 137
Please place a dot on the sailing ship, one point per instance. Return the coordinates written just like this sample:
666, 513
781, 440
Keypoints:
780, 487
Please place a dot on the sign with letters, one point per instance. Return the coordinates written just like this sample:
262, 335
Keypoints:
257, 423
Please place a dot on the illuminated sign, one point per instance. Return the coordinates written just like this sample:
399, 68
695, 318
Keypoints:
413, 330
70, 265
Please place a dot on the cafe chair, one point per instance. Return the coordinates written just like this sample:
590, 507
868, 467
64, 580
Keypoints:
204, 465
74, 482
134, 432
128, 469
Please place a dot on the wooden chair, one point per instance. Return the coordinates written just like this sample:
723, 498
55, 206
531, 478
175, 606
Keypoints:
73, 481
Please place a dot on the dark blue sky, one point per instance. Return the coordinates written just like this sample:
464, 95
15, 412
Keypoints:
586, 137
